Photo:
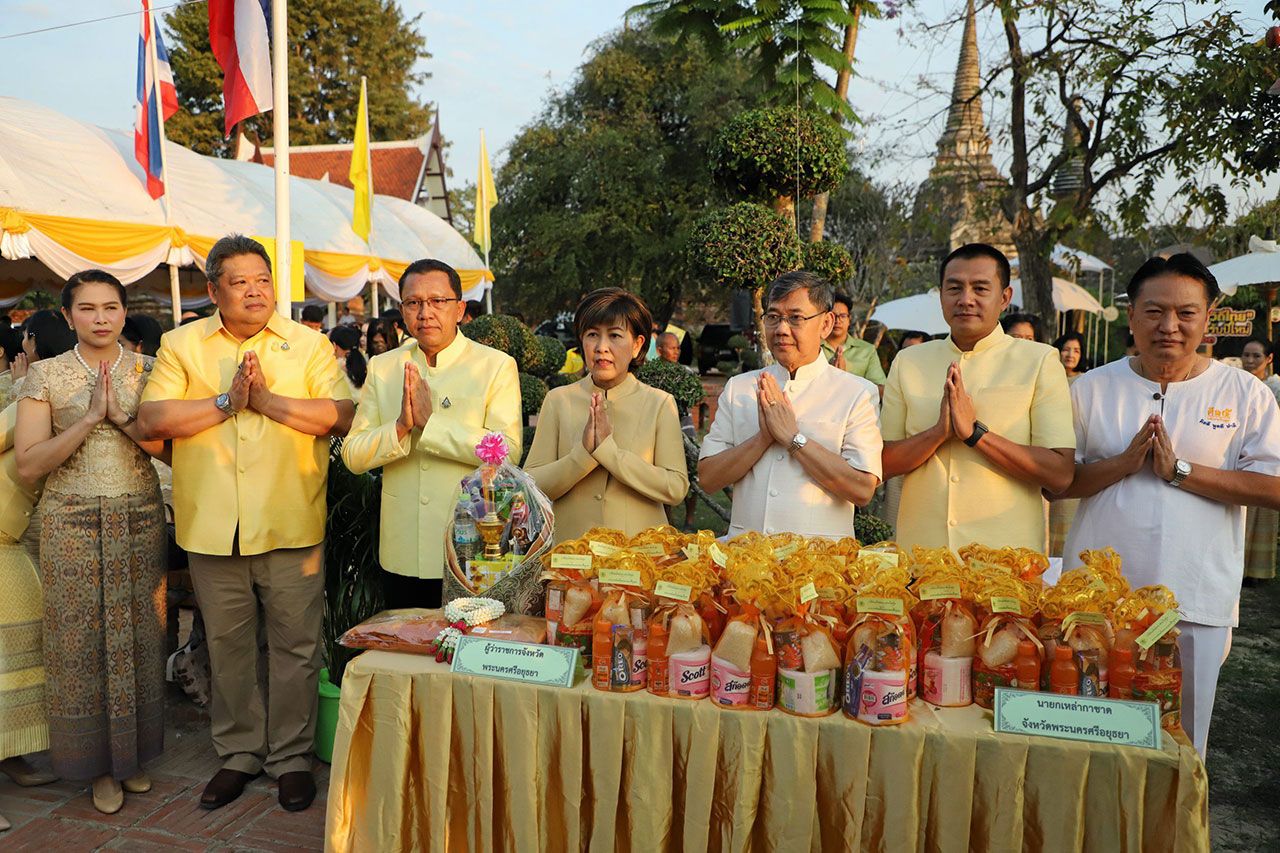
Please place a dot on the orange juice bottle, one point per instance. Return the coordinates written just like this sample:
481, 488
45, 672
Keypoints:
1122, 672
659, 675
1064, 674
601, 651
1027, 665
764, 674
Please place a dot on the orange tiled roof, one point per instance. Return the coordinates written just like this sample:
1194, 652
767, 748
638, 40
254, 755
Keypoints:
397, 166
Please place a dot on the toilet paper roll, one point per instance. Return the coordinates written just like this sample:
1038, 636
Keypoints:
947, 682
808, 694
882, 698
730, 686
691, 673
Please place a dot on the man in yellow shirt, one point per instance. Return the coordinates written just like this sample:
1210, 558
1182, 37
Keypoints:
980, 422
423, 409
249, 400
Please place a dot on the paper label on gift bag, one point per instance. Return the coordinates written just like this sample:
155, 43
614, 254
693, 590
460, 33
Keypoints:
808, 593
653, 549
581, 562
1084, 617
676, 591
603, 549
717, 555
935, 591
1158, 629
881, 559
1005, 604
1087, 718
785, 551
620, 577
554, 666
883, 606
691, 550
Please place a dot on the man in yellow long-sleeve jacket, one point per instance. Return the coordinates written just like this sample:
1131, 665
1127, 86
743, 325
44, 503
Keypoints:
423, 409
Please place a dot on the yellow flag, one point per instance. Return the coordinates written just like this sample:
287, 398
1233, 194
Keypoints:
486, 198
361, 174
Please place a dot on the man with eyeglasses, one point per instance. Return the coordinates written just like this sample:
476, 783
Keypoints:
851, 354
798, 440
423, 409
979, 422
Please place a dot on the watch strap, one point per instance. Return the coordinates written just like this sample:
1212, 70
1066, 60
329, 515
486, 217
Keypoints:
979, 430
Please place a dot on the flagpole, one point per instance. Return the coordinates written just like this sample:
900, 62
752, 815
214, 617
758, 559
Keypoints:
280, 140
175, 292
488, 289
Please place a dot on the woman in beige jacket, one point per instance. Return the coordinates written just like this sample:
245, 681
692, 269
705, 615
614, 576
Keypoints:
608, 450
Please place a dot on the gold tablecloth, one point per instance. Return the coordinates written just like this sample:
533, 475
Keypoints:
426, 760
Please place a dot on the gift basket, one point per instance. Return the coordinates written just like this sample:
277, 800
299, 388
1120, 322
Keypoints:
1009, 652
880, 655
619, 637
502, 525
743, 664
946, 619
572, 595
1145, 661
1075, 613
679, 646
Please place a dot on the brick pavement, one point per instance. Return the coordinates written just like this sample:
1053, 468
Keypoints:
61, 817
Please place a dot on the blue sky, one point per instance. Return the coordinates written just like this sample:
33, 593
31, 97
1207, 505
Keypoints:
495, 62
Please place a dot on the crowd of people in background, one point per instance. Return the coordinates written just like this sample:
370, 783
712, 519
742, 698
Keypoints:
983, 435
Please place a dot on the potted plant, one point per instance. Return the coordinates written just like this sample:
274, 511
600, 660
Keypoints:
352, 582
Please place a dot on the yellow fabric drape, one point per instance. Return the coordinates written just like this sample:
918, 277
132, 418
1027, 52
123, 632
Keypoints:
98, 241
108, 243
425, 760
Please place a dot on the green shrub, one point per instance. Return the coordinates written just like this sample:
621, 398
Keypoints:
829, 260
526, 441
751, 360
487, 329
553, 355
676, 380
738, 343
532, 392
758, 152
868, 529
744, 245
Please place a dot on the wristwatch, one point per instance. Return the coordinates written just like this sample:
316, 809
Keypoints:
223, 402
979, 430
798, 441
1181, 471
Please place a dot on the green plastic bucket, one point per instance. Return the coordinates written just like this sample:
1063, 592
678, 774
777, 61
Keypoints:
326, 717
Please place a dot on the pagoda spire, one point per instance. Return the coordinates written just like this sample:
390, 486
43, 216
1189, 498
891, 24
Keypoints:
965, 137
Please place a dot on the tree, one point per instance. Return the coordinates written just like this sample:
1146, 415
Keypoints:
792, 45
332, 43
603, 188
1146, 91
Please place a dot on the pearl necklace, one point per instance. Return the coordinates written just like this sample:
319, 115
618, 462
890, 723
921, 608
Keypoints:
114, 364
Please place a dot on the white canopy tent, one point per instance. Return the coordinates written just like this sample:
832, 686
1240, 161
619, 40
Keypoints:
72, 196
923, 312
1261, 265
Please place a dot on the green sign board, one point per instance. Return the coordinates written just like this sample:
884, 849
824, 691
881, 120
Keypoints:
555, 666
1116, 721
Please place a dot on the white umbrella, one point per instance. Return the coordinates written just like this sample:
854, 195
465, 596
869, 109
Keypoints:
1260, 266
923, 312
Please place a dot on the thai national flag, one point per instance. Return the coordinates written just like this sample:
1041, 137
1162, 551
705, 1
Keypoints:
238, 34
155, 91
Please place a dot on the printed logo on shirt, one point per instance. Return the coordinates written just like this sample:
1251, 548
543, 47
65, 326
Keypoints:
1219, 418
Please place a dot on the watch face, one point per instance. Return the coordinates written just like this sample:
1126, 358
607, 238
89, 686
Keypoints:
1183, 467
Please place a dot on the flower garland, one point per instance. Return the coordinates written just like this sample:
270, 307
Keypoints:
464, 613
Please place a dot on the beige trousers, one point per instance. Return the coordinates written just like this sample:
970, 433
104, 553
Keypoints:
250, 735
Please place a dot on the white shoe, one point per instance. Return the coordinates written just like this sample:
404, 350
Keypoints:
108, 796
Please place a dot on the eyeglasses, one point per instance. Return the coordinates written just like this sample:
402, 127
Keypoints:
773, 319
416, 306
840, 315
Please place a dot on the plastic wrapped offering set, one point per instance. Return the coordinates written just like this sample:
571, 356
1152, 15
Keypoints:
814, 625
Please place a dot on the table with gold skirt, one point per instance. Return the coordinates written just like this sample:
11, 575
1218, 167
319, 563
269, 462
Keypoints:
432, 761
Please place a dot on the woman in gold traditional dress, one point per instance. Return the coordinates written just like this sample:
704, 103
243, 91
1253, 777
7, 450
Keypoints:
101, 547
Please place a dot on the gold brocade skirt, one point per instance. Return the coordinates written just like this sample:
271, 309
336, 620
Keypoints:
23, 729
101, 565
1261, 527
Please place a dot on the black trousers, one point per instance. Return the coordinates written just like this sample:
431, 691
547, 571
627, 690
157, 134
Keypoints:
403, 591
